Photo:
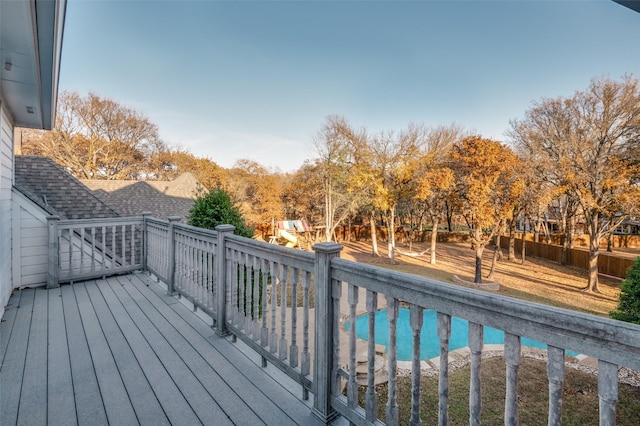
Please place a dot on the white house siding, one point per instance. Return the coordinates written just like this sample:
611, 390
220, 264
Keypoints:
6, 181
30, 242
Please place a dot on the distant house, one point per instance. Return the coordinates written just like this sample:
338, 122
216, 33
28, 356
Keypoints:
161, 198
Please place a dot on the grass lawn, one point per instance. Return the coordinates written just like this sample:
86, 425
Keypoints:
580, 402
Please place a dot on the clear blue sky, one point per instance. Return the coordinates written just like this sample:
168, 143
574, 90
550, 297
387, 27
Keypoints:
255, 80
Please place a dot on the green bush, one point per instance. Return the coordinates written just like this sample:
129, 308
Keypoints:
629, 306
216, 208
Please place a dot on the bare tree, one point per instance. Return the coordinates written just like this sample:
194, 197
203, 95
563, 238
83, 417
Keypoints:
97, 138
337, 145
587, 146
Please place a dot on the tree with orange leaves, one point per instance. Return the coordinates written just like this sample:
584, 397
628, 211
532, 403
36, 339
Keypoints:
484, 173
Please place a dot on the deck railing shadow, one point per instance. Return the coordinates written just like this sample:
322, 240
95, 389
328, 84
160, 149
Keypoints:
290, 306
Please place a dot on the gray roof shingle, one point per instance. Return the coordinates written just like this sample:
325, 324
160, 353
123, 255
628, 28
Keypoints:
161, 198
57, 191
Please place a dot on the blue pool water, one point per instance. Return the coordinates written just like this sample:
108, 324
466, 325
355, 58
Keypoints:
429, 342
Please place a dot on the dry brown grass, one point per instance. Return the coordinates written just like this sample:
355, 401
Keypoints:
580, 399
536, 280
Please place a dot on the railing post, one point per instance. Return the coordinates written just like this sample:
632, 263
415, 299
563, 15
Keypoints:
171, 273
324, 331
221, 279
53, 274
145, 241
607, 391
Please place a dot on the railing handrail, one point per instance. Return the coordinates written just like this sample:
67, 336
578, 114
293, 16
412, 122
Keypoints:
79, 223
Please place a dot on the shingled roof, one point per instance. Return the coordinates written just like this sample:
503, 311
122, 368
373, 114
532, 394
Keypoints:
57, 191
162, 198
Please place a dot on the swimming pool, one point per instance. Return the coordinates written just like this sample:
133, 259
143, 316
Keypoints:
429, 342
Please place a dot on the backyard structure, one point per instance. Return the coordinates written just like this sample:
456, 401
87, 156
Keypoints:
295, 233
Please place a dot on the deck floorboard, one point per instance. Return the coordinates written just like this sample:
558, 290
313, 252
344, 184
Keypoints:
120, 351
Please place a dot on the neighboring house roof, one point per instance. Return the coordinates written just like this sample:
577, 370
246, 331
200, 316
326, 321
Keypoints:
57, 191
161, 198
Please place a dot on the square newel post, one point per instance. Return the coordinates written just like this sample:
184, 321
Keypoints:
325, 328
53, 251
145, 241
221, 279
171, 273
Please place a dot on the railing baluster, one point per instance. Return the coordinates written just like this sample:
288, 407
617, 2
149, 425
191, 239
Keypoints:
392, 353
93, 249
236, 286
114, 247
255, 303
81, 268
284, 271
608, 392
264, 332
444, 333
555, 372
371, 397
247, 293
103, 232
293, 350
211, 282
476, 333
336, 292
512, 351
416, 319
305, 365
70, 234
273, 342
123, 245
133, 244
352, 387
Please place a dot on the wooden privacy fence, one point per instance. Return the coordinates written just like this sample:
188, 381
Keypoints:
298, 310
607, 264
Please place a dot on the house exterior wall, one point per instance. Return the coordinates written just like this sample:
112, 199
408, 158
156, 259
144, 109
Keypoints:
6, 181
30, 242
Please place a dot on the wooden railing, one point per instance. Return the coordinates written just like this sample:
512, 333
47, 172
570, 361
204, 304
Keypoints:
299, 309
90, 248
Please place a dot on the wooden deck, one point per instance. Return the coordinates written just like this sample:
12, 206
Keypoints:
119, 351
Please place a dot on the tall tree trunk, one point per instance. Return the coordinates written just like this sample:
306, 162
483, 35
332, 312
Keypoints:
479, 246
565, 250
610, 242
498, 241
494, 261
536, 231
434, 239
512, 241
391, 229
374, 236
449, 216
523, 249
594, 252
349, 230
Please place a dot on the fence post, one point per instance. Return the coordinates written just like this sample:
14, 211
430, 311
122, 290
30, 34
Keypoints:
145, 242
53, 274
323, 371
221, 278
171, 273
